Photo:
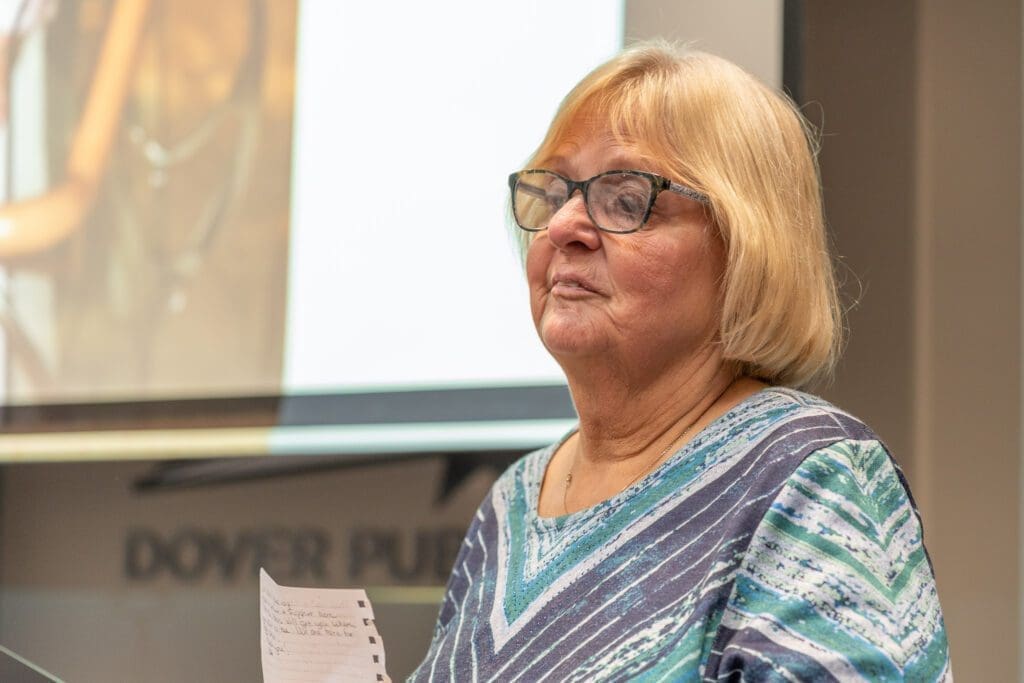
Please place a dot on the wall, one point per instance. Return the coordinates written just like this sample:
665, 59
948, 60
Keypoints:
85, 596
748, 33
967, 430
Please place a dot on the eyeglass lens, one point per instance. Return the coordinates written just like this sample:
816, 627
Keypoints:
616, 201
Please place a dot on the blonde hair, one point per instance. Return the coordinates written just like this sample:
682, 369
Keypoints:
710, 125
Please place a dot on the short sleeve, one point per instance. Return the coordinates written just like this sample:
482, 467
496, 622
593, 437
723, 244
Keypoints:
836, 583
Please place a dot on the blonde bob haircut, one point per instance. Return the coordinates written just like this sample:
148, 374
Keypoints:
708, 124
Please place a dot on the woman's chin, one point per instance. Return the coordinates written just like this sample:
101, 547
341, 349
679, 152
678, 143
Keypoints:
565, 340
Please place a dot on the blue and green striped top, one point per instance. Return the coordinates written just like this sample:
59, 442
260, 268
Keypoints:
781, 543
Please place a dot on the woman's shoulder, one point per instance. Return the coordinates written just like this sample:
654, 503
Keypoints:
781, 433
797, 414
837, 557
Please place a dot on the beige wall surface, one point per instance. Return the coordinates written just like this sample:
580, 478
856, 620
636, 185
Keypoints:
864, 109
968, 328
85, 599
748, 33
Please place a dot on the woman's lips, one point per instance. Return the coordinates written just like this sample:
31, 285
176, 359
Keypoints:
571, 287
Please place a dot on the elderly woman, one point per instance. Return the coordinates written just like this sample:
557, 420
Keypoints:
706, 520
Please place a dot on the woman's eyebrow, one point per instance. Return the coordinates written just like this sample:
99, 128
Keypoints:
615, 162
625, 162
630, 163
555, 163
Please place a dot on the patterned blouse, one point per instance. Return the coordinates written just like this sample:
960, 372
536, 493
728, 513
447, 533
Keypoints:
781, 543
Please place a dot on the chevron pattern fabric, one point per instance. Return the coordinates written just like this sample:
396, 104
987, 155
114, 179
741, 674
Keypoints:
781, 543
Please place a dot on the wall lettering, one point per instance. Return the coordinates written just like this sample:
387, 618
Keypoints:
191, 554
423, 554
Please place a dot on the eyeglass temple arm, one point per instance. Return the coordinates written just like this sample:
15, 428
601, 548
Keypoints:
688, 192
515, 183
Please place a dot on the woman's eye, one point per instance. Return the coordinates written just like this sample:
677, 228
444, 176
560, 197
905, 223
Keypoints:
555, 201
629, 203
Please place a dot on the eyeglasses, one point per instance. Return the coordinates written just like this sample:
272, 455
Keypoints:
616, 201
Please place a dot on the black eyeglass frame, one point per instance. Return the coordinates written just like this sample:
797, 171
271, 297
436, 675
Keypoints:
658, 185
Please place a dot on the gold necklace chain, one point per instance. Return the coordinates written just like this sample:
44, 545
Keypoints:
653, 463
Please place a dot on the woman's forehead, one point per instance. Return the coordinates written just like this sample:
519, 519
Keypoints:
602, 147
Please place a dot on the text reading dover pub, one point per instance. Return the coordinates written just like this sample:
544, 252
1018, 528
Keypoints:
318, 635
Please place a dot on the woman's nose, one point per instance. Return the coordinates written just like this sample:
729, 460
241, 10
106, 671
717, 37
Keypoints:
571, 224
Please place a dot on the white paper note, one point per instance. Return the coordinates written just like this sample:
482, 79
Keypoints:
318, 635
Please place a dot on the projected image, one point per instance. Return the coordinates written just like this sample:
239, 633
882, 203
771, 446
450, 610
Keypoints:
246, 198
403, 273
147, 152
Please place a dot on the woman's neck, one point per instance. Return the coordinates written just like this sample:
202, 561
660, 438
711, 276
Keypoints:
623, 415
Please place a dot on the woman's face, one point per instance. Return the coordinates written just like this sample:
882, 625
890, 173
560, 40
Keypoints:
648, 299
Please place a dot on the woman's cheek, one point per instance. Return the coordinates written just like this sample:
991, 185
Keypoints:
536, 276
